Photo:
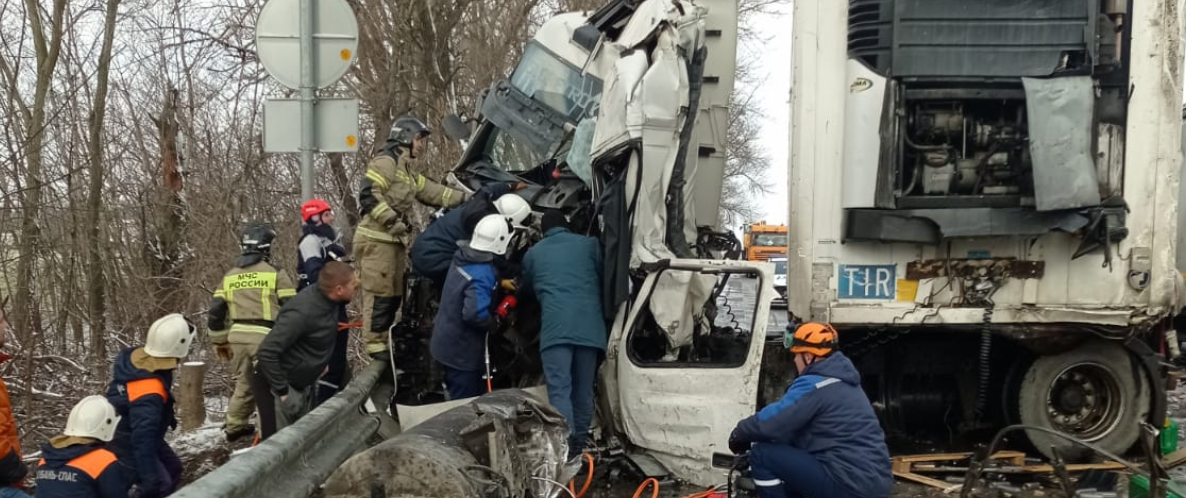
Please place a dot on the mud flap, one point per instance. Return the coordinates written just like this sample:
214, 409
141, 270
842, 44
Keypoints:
1150, 366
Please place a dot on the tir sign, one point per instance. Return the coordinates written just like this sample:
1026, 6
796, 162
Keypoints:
867, 282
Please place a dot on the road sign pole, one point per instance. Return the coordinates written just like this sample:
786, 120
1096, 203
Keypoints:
308, 93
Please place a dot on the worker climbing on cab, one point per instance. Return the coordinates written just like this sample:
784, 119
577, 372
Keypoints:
242, 313
390, 189
76, 464
822, 438
432, 252
318, 245
141, 392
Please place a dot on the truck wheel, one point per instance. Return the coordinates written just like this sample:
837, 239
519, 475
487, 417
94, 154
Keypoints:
1090, 393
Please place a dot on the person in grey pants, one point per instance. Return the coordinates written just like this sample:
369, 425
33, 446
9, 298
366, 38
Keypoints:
563, 272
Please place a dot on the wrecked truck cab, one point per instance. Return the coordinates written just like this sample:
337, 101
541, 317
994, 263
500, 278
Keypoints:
534, 125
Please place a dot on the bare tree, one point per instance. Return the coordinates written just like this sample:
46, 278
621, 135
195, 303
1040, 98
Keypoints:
96, 285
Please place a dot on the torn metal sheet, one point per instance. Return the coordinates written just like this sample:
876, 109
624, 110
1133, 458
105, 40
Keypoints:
506, 443
968, 268
1061, 112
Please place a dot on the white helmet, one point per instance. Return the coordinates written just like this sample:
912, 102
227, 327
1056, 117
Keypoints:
169, 337
491, 235
514, 208
93, 417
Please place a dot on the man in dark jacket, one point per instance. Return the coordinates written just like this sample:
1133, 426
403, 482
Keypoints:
564, 272
319, 245
295, 354
75, 464
141, 392
433, 250
465, 317
822, 438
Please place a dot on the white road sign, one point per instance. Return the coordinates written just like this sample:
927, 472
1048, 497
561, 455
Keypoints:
335, 39
336, 122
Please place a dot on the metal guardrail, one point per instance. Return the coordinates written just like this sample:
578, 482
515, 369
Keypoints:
295, 461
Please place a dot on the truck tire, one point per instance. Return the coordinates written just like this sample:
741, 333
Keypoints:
1095, 392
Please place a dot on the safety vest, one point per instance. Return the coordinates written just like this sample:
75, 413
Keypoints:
253, 294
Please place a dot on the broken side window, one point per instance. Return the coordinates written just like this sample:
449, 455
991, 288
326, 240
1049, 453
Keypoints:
721, 323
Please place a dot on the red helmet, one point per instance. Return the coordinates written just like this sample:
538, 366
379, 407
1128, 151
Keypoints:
313, 208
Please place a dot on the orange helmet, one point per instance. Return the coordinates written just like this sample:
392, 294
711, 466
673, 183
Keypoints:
813, 338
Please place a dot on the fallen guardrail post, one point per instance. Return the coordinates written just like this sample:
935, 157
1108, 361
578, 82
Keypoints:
295, 461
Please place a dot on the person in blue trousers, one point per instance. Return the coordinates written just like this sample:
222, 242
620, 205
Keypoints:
822, 438
563, 271
466, 317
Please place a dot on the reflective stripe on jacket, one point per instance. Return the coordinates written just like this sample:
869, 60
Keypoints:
248, 301
388, 192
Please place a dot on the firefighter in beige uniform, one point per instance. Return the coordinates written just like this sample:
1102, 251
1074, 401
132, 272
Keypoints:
242, 312
388, 193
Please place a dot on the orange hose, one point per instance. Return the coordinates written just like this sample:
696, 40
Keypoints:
643, 487
703, 494
588, 479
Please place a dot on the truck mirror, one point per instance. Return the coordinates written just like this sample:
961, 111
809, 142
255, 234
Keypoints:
456, 128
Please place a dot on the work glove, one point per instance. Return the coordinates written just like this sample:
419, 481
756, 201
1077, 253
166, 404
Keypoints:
223, 351
736, 445
506, 306
508, 285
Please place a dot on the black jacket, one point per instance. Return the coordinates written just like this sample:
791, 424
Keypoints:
300, 344
433, 250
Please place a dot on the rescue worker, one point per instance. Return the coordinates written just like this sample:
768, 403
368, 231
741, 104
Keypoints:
387, 194
247, 301
12, 468
822, 438
432, 252
295, 354
75, 464
141, 392
319, 245
465, 317
563, 271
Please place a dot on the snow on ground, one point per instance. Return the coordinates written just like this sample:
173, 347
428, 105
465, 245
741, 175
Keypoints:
204, 449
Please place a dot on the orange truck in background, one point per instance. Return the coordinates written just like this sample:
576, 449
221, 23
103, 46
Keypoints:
763, 241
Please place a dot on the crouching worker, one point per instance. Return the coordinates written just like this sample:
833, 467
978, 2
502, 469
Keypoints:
75, 464
822, 438
297, 351
141, 392
465, 316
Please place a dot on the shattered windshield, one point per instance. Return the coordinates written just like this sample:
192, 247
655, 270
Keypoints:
511, 154
770, 240
546, 78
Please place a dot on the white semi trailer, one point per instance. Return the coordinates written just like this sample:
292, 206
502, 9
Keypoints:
984, 201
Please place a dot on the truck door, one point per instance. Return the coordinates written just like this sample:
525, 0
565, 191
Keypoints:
680, 405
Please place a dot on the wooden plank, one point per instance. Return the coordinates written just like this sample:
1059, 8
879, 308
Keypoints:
1175, 459
935, 483
1075, 467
